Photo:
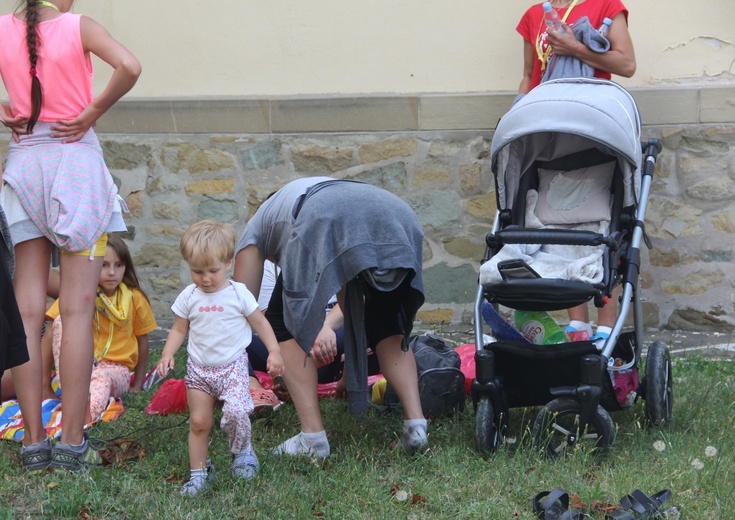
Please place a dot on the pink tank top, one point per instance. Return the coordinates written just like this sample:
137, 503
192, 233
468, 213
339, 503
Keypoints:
63, 68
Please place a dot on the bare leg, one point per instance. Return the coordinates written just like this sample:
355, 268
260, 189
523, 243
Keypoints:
580, 313
32, 259
399, 368
201, 418
79, 280
47, 357
6, 386
607, 315
301, 379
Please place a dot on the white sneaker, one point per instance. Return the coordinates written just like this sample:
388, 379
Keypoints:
245, 464
413, 439
299, 445
199, 485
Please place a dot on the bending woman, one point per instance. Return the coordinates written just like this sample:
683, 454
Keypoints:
365, 244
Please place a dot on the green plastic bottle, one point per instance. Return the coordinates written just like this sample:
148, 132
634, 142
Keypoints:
539, 327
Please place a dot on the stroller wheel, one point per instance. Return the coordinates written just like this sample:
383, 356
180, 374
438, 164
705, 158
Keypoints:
556, 428
490, 426
658, 388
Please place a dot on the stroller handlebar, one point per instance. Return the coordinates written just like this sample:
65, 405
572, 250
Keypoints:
548, 236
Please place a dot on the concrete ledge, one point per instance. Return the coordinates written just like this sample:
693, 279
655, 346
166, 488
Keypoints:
427, 112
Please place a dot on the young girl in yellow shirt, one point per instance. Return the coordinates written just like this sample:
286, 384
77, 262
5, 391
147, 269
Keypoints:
122, 320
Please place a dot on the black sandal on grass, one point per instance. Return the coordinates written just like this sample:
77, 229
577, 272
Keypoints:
638, 506
554, 505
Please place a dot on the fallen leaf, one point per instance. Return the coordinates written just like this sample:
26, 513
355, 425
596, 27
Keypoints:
417, 499
174, 477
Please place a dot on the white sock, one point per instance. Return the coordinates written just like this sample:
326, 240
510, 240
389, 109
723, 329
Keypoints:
310, 438
581, 326
198, 473
409, 423
603, 329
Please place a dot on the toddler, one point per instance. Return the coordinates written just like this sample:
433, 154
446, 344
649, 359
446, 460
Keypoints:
218, 314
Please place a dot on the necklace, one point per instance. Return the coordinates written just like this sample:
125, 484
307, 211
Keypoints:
557, 7
47, 4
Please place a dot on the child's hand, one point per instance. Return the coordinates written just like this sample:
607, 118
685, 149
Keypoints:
163, 366
275, 364
134, 389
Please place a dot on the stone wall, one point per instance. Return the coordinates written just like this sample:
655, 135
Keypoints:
169, 183
176, 163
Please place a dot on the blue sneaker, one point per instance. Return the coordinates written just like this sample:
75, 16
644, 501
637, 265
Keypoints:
599, 339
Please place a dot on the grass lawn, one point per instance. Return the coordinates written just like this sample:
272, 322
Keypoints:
367, 478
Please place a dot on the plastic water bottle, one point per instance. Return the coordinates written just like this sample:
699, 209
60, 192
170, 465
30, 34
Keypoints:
539, 328
553, 22
605, 27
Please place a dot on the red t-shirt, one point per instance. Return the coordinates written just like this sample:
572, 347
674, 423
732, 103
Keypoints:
533, 28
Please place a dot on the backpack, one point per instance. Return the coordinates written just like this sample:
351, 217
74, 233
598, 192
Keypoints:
441, 382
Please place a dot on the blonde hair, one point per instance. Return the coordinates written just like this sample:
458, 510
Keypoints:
207, 242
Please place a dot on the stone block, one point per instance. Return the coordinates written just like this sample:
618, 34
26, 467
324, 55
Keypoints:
470, 177
210, 186
386, 149
437, 209
392, 177
464, 248
463, 112
178, 157
695, 320
444, 284
724, 222
124, 156
698, 282
483, 206
344, 114
321, 159
435, 317
225, 211
431, 173
717, 104
167, 210
667, 106
158, 255
165, 283
134, 201
263, 156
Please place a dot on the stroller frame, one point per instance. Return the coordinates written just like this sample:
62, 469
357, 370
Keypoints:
508, 373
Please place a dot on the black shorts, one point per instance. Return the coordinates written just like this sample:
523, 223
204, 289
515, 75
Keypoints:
383, 317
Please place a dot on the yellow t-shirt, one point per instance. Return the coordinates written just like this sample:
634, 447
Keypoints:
124, 345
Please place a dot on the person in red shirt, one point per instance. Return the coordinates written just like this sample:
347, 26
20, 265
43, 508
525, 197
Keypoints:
538, 45
619, 60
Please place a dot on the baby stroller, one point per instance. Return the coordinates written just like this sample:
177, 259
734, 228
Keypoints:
572, 180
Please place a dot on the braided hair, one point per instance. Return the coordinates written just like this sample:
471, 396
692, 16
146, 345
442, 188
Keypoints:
32, 19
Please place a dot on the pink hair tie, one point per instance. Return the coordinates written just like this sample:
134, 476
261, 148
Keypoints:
33, 71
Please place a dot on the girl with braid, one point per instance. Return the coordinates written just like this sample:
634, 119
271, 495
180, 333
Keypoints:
57, 191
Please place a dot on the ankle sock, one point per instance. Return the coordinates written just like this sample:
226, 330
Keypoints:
603, 331
579, 326
412, 423
311, 438
196, 474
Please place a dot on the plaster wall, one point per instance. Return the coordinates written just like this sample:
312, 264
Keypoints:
324, 47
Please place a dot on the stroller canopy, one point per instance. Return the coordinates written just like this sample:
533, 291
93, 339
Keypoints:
561, 117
